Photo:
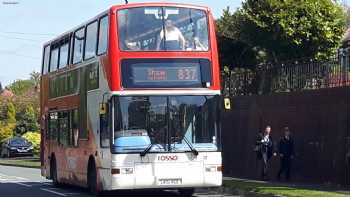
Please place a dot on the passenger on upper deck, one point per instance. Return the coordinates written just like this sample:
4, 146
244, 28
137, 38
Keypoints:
173, 38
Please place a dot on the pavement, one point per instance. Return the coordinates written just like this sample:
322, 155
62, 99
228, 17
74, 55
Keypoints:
18, 181
317, 187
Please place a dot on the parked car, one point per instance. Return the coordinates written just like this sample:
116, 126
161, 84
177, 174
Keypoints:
16, 146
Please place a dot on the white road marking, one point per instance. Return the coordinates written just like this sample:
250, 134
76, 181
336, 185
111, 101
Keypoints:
214, 195
50, 184
8, 178
23, 184
72, 193
54, 192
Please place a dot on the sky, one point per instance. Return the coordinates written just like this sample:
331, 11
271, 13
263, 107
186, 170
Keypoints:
26, 25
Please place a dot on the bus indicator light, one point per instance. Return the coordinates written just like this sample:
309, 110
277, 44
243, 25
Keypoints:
115, 171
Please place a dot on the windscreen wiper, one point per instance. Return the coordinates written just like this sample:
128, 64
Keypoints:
144, 152
193, 150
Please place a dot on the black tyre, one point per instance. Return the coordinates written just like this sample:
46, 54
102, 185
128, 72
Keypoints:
186, 192
92, 180
53, 171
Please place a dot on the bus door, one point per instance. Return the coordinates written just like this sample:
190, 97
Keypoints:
105, 123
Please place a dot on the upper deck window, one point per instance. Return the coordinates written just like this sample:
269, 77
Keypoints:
54, 59
63, 61
103, 35
91, 40
46, 60
163, 29
79, 37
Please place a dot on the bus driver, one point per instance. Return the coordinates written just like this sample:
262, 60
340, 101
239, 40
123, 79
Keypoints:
173, 38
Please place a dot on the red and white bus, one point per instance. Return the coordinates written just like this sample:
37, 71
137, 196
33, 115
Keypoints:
130, 100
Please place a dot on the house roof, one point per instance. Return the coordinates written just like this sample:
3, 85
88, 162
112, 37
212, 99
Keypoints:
7, 93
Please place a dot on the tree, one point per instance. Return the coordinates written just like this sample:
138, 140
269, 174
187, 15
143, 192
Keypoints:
6, 127
6, 131
27, 122
35, 78
34, 138
11, 113
3, 108
234, 52
296, 29
1, 87
20, 87
287, 29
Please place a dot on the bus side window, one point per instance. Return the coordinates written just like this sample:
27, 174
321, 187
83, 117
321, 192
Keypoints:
53, 126
61, 127
79, 37
102, 36
91, 40
104, 117
47, 126
75, 127
64, 51
54, 59
46, 59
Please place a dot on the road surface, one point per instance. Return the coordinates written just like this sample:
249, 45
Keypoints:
27, 182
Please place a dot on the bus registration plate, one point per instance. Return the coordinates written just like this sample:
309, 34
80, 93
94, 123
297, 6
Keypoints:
170, 181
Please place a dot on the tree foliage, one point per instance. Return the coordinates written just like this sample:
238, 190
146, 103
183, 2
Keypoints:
19, 87
27, 122
234, 51
6, 130
286, 29
34, 138
11, 113
35, 78
19, 114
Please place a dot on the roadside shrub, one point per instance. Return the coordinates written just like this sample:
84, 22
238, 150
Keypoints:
6, 131
34, 138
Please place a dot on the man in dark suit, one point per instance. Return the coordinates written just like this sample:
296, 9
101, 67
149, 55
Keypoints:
265, 150
286, 152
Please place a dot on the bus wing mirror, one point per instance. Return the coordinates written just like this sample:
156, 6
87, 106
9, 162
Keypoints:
227, 103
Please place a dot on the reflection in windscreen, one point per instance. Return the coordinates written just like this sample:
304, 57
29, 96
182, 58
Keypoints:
139, 122
163, 29
18, 142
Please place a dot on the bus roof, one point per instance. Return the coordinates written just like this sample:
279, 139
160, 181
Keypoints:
125, 6
134, 5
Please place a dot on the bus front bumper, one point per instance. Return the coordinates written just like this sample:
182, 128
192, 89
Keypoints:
150, 182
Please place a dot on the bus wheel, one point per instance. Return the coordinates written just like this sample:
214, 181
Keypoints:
92, 180
186, 192
53, 171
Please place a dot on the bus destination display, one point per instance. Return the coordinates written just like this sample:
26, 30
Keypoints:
165, 74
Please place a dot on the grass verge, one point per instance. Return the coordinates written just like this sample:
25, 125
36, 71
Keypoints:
244, 186
25, 162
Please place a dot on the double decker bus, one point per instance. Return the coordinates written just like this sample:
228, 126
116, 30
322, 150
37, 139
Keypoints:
130, 100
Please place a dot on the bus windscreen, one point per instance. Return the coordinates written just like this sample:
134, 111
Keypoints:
163, 29
166, 122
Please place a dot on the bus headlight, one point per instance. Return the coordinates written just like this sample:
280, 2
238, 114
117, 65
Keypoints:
210, 169
213, 168
127, 171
